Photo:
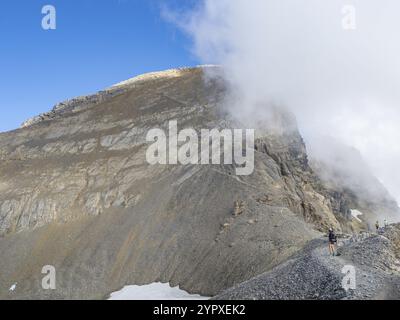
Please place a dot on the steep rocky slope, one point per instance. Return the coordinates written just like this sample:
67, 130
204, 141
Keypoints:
78, 194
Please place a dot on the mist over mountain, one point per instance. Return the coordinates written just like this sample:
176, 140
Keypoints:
300, 55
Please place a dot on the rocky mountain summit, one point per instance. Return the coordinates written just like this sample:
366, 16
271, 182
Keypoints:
77, 193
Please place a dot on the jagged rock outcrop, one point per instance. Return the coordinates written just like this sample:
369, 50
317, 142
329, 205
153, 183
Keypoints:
78, 194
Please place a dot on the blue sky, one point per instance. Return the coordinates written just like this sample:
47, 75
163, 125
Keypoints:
97, 43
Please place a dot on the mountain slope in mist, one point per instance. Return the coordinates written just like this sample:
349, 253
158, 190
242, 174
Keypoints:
78, 194
342, 168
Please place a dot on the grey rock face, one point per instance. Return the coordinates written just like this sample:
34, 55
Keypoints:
78, 194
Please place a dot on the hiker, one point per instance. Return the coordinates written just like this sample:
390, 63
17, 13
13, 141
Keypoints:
332, 242
377, 226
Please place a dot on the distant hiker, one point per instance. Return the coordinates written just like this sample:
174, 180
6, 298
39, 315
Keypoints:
385, 223
377, 226
332, 242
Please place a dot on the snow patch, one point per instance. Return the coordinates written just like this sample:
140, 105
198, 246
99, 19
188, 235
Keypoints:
167, 74
355, 214
13, 287
154, 291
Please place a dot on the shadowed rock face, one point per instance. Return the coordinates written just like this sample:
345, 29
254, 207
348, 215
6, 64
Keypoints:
78, 194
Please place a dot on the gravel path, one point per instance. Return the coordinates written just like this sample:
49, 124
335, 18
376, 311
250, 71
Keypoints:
314, 274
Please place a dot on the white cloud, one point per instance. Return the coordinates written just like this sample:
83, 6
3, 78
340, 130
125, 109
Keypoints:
296, 53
